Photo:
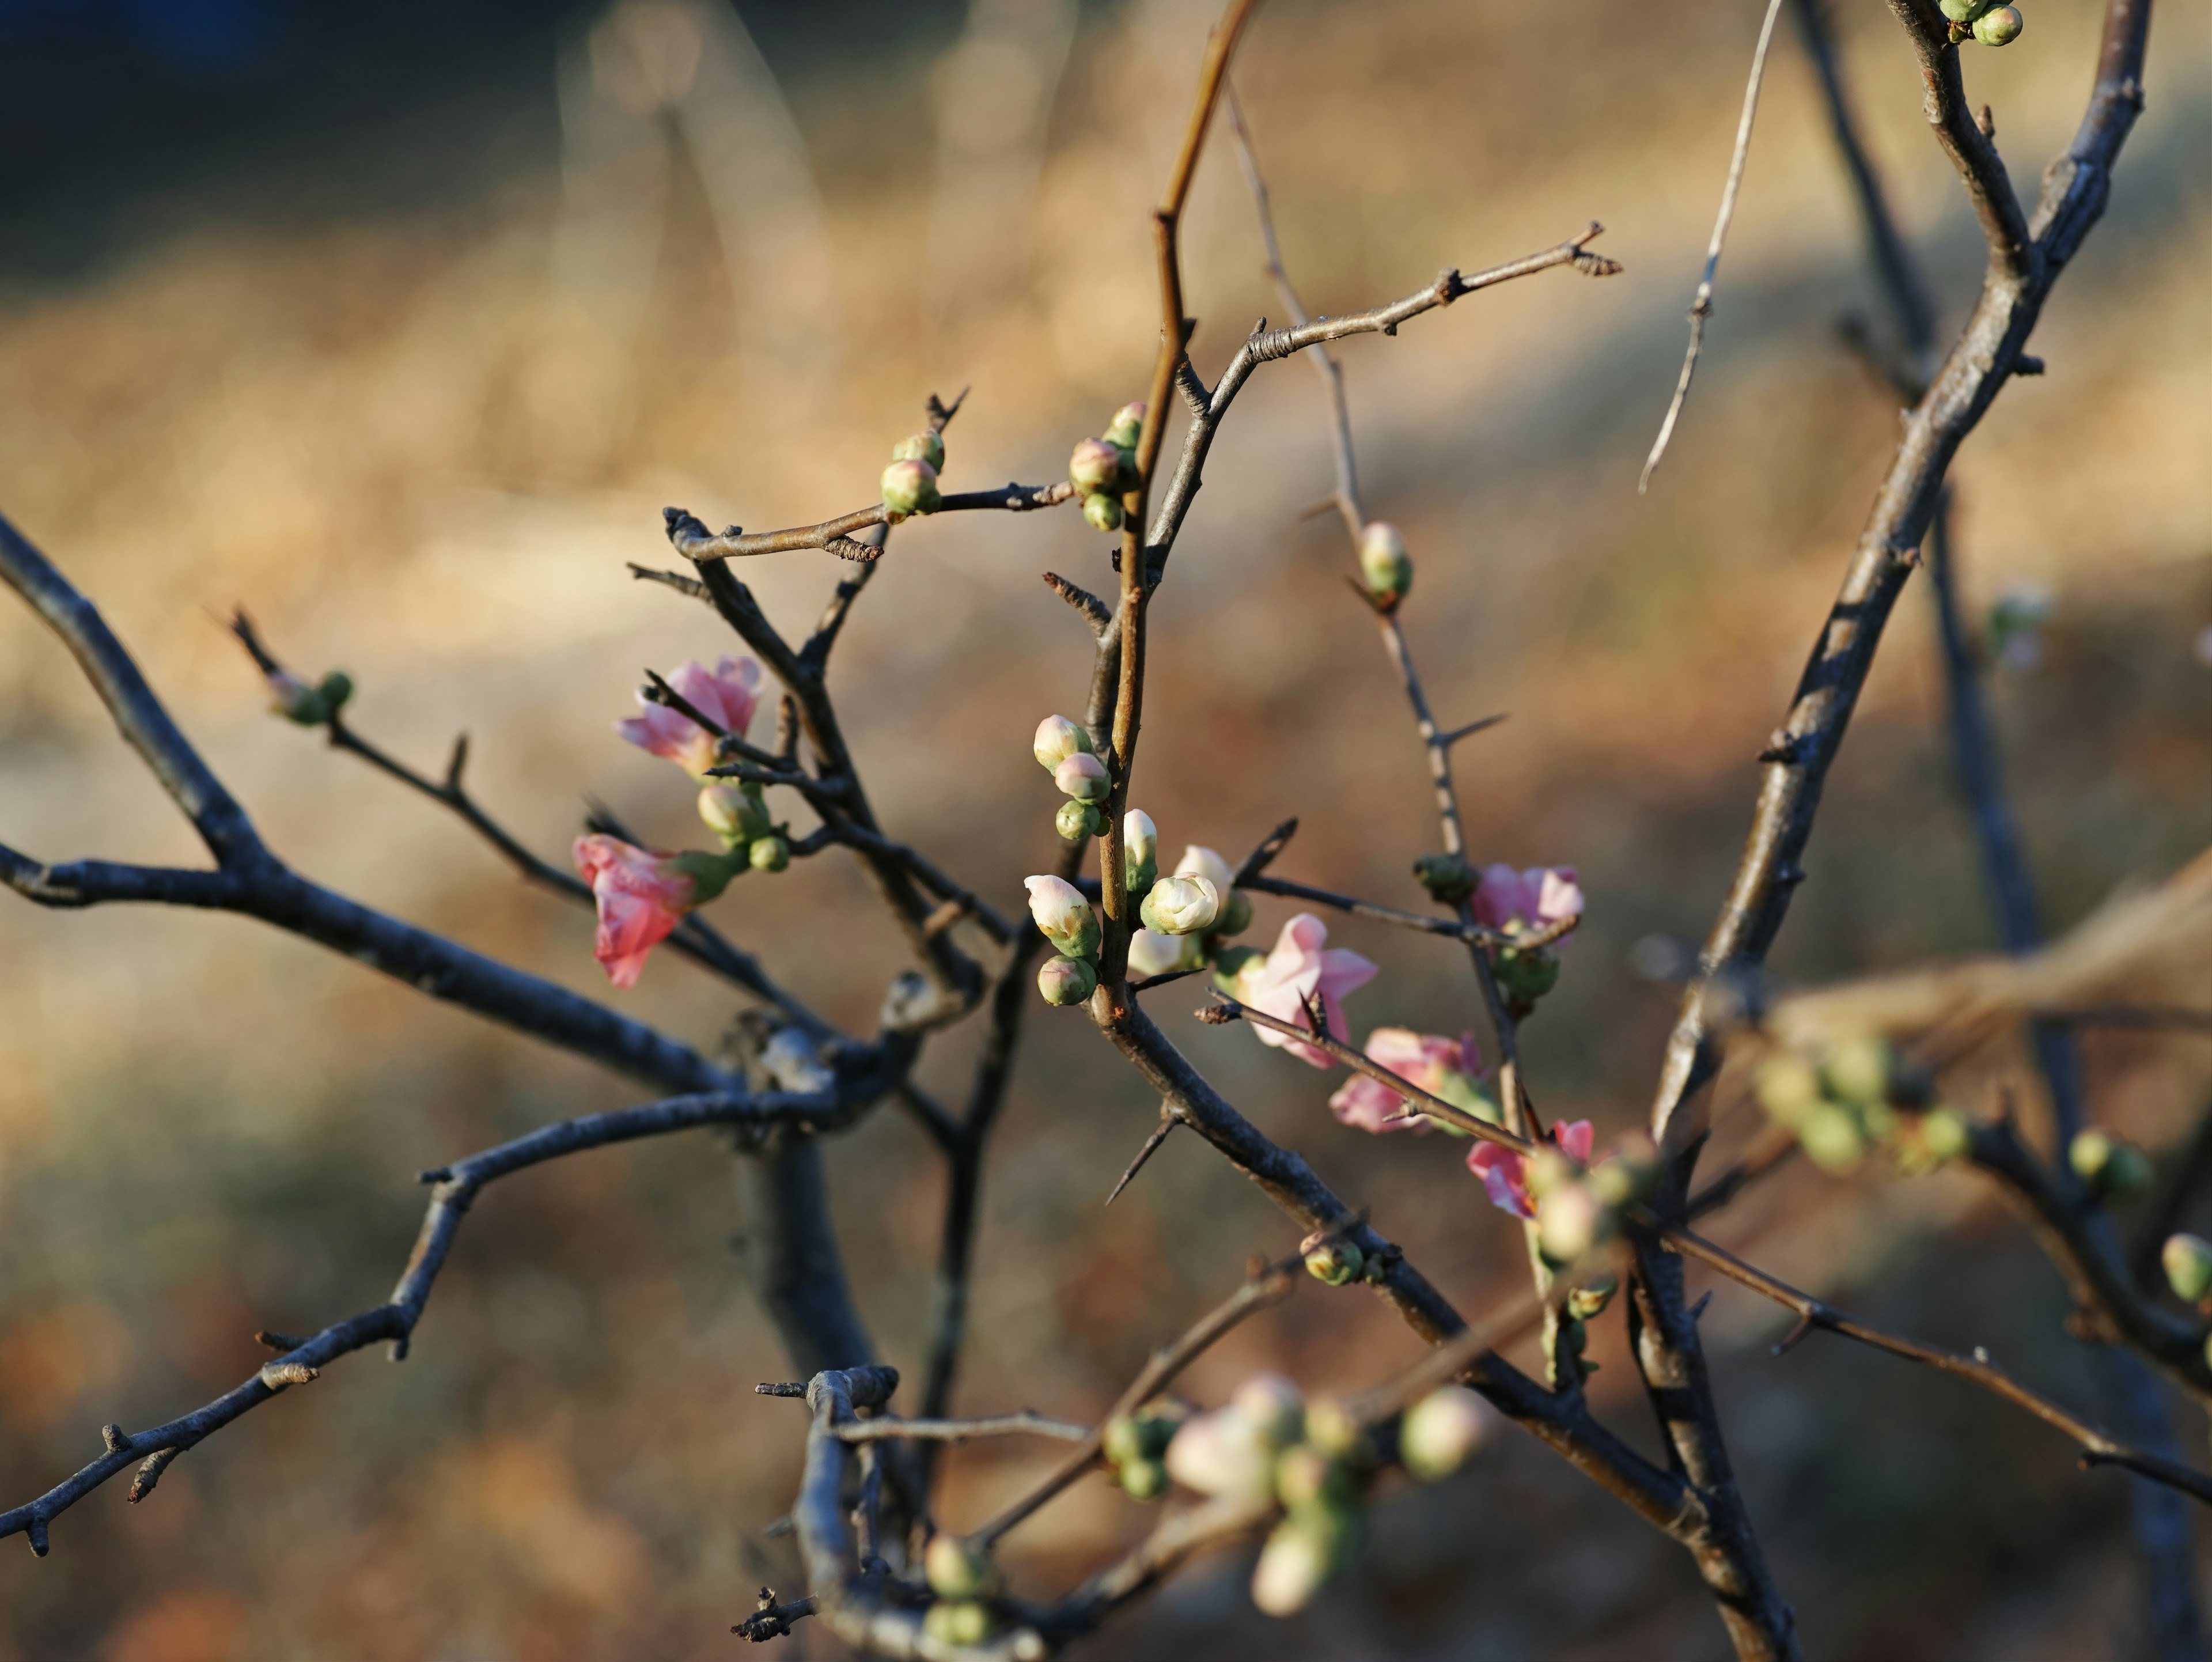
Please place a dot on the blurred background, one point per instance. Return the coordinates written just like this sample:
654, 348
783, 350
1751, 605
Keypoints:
399, 325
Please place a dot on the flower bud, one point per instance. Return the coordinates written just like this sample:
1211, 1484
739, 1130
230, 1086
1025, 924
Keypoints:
295, 700
1095, 467
1335, 1262
1063, 914
770, 853
1152, 953
1058, 738
1384, 564
910, 487
1076, 820
335, 688
1570, 1221
1140, 838
1101, 512
957, 1570
1229, 963
1945, 1133
1305, 1476
921, 446
1447, 877
1526, 974
733, 812
1236, 914
1587, 1303
1066, 980
1331, 1428
1142, 1479
1221, 1453
1272, 1406
1857, 1070
1440, 1431
1962, 11
1788, 1086
1122, 1441
1832, 1138
957, 1622
1083, 778
1198, 860
2107, 1165
1128, 423
1302, 1553
1999, 27
1181, 906
2188, 1261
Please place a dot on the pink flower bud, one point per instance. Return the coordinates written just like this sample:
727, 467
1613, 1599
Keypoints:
1083, 778
1095, 466
1058, 738
1066, 981
910, 487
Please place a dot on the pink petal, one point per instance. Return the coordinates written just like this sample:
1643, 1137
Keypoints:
1575, 1138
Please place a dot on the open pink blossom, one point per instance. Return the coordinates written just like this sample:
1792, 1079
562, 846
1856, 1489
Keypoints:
1438, 1065
1505, 1174
641, 896
728, 694
1536, 899
1302, 965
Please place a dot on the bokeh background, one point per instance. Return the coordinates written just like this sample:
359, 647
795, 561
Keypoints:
400, 323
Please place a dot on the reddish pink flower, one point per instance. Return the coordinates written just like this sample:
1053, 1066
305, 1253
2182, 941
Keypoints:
1536, 899
1505, 1174
1302, 965
641, 896
1444, 1067
728, 695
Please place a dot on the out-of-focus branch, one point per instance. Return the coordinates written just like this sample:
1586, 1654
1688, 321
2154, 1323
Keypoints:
456, 1189
840, 536
1422, 923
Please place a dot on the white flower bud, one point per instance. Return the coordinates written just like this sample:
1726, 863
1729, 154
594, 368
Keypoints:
1083, 778
1440, 1431
922, 447
1181, 906
1198, 861
2188, 1261
910, 487
1095, 467
1140, 838
1221, 1453
734, 812
1302, 1553
957, 1570
1064, 916
1273, 1406
1058, 738
1152, 953
1569, 1221
1384, 564
1066, 980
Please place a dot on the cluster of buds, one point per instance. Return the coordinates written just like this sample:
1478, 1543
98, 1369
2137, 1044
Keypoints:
1980, 20
963, 1579
1135, 1445
1269, 1444
310, 706
2109, 1166
1857, 1096
910, 482
1066, 920
1105, 468
1063, 750
1384, 566
1188, 916
1526, 903
738, 814
1575, 1205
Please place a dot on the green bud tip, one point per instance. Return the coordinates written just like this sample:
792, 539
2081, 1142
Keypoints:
1076, 820
1335, 1262
1101, 512
770, 853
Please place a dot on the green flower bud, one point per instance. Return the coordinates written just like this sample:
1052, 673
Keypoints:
1066, 980
1570, 1221
1142, 1479
1857, 1070
1526, 974
1058, 738
1788, 1086
2108, 1166
1228, 961
957, 1570
1832, 1138
958, 1622
910, 487
734, 812
1076, 820
770, 853
1331, 1428
1447, 877
921, 446
1335, 1262
337, 687
1236, 915
1181, 906
1306, 1476
1441, 1431
1962, 11
2188, 1261
295, 700
1304, 1549
710, 873
1588, 1303
1272, 1407
1945, 1135
1999, 27
1384, 565
1101, 512
1122, 1441
1096, 468
1127, 427
1140, 846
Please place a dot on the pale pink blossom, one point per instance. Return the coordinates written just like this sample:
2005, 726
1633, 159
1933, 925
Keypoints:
641, 896
1536, 899
1505, 1174
728, 694
1432, 1062
1302, 965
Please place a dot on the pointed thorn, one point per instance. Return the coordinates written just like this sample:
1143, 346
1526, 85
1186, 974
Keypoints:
1167, 1122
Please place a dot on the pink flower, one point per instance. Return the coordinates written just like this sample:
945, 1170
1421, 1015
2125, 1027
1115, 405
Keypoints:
641, 896
1302, 966
1505, 1174
1436, 1064
729, 695
1536, 899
